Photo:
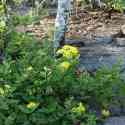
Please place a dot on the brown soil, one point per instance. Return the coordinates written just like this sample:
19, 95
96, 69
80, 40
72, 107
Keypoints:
83, 25
89, 24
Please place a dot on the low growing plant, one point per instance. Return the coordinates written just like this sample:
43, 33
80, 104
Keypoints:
33, 90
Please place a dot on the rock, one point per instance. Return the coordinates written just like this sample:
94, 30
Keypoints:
29, 30
115, 109
103, 40
123, 108
20, 29
93, 57
84, 42
78, 43
123, 29
120, 41
99, 40
115, 121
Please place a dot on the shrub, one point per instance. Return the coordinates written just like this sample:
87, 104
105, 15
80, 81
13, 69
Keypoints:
33, 90
118, 5
26, 19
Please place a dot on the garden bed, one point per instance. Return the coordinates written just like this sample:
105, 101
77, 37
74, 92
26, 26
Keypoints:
100, 41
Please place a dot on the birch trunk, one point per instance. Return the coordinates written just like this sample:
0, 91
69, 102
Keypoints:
61, 22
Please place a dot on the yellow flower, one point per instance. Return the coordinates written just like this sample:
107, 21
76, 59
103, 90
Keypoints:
105, 113
69, 52
64, 66
79, 109
31, 105
29, 68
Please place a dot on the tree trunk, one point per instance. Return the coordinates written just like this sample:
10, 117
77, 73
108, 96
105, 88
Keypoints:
61, 23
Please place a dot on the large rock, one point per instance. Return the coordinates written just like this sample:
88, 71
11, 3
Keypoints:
123, 29
120, 41
115, 121
93, 57
99, 52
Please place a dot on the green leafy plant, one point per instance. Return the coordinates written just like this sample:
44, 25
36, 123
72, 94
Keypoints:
33, 89
118, 5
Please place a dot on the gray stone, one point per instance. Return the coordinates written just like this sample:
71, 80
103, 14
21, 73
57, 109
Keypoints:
99, 40
123, 29
120, 41
115, 121
76, 42
115, 109
123, 108
20, 29
103, 40
93, 57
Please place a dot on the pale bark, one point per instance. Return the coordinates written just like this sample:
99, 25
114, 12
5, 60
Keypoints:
61, 22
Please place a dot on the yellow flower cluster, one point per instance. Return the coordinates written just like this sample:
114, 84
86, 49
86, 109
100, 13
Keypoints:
64, 66
29, 68
31, 105
105, 113
69, 52
79, 109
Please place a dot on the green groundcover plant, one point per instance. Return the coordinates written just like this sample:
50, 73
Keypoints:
118, 5
34, 90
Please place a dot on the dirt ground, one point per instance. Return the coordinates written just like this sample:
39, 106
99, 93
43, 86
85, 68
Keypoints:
84, 24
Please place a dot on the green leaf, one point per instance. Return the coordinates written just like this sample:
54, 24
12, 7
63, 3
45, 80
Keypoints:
10, 119
29, 108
